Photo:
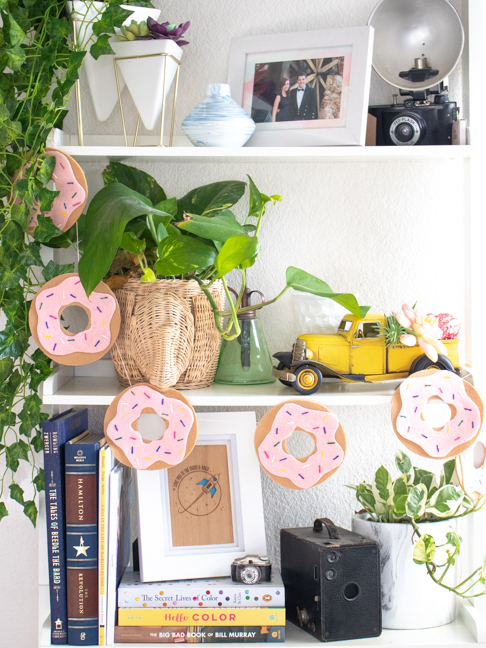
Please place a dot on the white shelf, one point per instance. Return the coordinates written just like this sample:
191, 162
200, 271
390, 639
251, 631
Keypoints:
454, 635
102, 152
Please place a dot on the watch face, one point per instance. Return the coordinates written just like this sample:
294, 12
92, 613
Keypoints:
250, 575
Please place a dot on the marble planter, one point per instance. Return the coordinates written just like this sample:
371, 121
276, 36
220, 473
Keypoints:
100, 73
218, 120
410, 598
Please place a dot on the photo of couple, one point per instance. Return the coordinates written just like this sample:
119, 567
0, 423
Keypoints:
287, 91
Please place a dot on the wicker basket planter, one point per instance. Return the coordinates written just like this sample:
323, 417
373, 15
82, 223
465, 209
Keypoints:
167, 335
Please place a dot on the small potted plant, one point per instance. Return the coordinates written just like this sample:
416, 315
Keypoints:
414, 519
95, 23
168, 259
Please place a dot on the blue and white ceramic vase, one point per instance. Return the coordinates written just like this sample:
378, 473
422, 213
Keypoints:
218, 120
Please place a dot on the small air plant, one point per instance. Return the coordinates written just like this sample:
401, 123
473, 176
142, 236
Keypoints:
152, 30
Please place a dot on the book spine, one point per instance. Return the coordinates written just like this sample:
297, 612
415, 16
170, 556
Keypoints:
81, 474
102, 547
195, 616
223, 596
55, 434
200, 634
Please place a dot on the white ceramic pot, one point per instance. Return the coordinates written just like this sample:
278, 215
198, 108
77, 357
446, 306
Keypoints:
100, 73
410, 598
144, 77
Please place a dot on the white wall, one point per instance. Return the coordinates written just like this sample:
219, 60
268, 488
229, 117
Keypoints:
390, 232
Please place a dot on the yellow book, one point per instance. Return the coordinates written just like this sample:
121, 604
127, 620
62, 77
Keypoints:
200, 617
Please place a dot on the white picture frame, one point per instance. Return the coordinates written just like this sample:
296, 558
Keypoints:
354, 45
159, 560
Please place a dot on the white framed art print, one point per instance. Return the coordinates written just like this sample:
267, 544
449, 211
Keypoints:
195, 518
304, 88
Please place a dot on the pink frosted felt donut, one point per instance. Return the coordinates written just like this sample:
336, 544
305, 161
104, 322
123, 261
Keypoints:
472, 479
416, 433
277, 426
127, 443
57, 342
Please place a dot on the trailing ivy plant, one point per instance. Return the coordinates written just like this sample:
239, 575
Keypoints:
38, 68
418, 496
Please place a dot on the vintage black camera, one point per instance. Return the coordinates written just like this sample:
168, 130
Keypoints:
332, 581
251, 570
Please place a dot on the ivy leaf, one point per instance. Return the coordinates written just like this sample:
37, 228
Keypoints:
30, 510
15, 32
9, 130
3, 510
46, 197
9, 278
46, 168
14, 453
424, 550
16, 493
37, 442
115, 17
416, 501
102, 46
72, 72
29, 415
7, 419
20, 214
39, 480
6, 366
382, 485
16, 57
31, 255
53, 269
45, 229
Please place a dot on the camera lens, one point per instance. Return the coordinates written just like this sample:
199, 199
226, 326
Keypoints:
332, 557
407, 129
250, 575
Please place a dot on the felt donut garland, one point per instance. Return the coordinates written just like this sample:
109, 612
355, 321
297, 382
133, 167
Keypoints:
276, 427
460, 432
472, 479
130, 448
58, 343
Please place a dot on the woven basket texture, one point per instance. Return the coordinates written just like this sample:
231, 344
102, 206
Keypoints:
167, 336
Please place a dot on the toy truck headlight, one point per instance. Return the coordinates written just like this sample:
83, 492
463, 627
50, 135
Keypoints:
308, 354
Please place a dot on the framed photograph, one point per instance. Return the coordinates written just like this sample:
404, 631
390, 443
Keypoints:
197, 517
304, 88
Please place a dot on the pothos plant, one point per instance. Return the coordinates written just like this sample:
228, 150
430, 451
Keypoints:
133, 229
418, 496
38, 68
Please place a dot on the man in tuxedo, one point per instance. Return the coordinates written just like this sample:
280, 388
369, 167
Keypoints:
303, 100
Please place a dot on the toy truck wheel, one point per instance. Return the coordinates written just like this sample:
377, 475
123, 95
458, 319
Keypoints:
422, 362
282, 367
308, 379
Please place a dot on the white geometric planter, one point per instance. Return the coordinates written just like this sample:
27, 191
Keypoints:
410, 598
143, 68
100, 73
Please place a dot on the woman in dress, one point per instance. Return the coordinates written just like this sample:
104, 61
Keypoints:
281, 105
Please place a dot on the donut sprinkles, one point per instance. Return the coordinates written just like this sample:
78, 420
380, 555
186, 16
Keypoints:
315, 468
472, 479
462, 429
56, 342
122, 436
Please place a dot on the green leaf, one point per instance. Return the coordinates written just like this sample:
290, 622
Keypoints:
36, 442
30, 510
210, 199
39, 480
46, 198
424, 550
30, 414
382, 485
44, 172
416, 501
132, 244
16, 57
31, 256
305, 282
447, 472
16, 34
3, 511
218, 228
256, 203
9, 278
20, 214
446, 501
16, 493
15, 452
148, 276
6, 366
424, 477
364, 310
141, 182
180, 255
7, 419
45, 230
9, 130
234, 252
115, 16
53, 269
365, 495
102, 46
400, 494
108, 214
403, 462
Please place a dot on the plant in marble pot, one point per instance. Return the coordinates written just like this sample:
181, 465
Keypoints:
414, 518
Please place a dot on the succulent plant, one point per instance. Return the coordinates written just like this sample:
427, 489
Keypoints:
168, 31
134, 31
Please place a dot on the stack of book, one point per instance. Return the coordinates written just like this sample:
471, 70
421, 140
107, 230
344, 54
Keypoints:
215, 610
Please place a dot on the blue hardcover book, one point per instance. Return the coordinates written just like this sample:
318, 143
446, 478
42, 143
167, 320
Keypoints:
81, 463
56, 431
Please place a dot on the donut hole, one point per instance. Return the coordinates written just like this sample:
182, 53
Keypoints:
437, 413
74, 319
479, 455
300, 444
150, 425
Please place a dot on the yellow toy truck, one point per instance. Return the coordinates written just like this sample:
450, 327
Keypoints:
357, 353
